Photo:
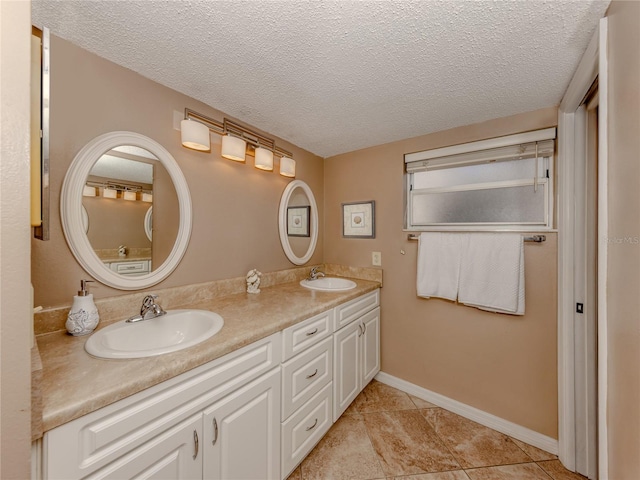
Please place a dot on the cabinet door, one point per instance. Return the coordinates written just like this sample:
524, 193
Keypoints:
242, 432
346, 372
370, 346
176, 453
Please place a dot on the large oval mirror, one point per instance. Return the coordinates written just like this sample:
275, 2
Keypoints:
298, 222
116, 179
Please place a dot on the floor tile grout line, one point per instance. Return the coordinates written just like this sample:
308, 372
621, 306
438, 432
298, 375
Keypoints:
453, 454
418, 410
372, 446
512, 464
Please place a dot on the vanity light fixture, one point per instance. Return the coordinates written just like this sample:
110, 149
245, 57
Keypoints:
237, 142
129, 195
233, 148
109, 192
264, 159
88, 191
147, 197
287, 167
195, 135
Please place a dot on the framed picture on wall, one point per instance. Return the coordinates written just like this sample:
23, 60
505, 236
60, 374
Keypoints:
358, 220
298, 221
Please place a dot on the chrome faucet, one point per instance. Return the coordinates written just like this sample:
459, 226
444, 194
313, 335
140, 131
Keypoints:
149, 309
315, 274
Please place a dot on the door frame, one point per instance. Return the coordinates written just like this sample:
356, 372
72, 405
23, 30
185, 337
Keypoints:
571, 141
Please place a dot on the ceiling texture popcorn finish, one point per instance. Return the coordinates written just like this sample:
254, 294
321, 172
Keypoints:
337, 76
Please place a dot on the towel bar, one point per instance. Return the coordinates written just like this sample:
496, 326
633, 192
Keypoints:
533, 238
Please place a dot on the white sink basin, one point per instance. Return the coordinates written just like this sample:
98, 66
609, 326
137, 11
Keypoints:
329, 284
174, 331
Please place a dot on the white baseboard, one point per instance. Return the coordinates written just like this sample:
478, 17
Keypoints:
519, 432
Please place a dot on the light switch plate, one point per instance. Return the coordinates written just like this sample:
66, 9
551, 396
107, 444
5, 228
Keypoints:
376, 259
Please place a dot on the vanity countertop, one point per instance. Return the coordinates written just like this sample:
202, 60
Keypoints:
75, 383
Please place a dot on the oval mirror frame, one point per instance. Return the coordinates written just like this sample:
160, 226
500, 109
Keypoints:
282, 222
71, 210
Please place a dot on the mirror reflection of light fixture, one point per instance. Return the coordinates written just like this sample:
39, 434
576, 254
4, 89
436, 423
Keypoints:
264, 159
195, 135
129, 195
287, 167
235, 139
88, 191
109, 192
147, 197
233, 148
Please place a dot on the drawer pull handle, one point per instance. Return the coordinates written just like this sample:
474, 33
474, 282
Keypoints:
215, 431
313, 332
313, 426
195, 444
313, 374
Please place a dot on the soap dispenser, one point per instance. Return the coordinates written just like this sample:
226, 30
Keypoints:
83, 316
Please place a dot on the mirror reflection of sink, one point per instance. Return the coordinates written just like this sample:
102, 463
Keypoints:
329, 284
174, 331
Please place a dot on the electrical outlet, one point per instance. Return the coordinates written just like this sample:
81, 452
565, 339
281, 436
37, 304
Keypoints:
376, 259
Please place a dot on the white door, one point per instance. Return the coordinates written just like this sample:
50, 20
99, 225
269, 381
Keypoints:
370, 346
174, 454
585, 292
346, 377
242, 432
582, 337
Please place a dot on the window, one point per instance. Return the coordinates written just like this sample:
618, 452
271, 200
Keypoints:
508, 186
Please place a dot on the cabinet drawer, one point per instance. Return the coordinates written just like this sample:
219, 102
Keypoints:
298, 337
305, 428
77, 448
304, 375
126, 268
348, 312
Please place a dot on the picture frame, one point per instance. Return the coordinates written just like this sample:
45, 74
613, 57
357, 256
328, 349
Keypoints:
358, 220
298, 221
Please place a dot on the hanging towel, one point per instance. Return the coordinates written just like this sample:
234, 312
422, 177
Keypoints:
492, 273
439, 257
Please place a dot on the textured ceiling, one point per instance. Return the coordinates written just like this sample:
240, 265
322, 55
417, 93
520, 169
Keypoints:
336, 76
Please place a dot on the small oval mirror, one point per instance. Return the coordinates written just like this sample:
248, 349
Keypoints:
298, 222
83, 171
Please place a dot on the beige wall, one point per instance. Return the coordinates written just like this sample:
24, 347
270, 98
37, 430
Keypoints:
623, 247
501, 364
235, 206
15, 301
113, 222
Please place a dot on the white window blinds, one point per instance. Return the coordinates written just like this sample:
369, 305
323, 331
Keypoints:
506, 184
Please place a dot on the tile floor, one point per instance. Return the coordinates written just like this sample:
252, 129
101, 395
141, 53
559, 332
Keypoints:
388, 434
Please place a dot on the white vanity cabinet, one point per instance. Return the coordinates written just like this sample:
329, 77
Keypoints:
166, 428
306, 387
130, 267
356, 349
254, 413
175, 453
242, 432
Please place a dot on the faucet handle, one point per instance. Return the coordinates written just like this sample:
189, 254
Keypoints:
147, 303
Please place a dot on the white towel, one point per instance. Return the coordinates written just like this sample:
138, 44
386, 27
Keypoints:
492, 273
439, 257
